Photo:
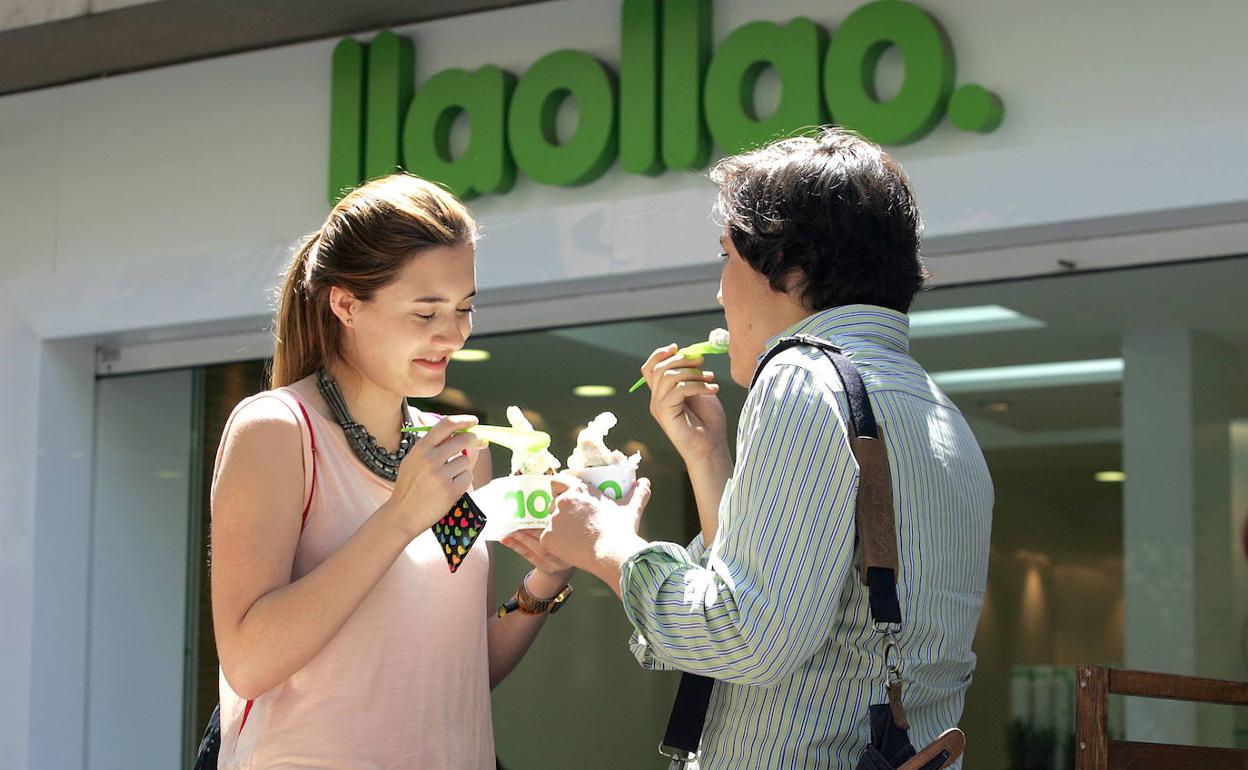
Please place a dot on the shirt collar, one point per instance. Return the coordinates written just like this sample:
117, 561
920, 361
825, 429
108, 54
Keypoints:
869, 323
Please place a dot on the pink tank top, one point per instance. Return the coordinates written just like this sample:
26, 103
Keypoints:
405, 683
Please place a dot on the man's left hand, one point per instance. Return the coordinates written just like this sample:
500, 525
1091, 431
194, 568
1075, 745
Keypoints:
552, 569
592, 532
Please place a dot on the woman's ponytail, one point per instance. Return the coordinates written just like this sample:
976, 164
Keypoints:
298, 350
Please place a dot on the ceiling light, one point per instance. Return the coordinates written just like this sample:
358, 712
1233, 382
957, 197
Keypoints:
1091, 372
470, 355
1111, 477
593, 391
969, 320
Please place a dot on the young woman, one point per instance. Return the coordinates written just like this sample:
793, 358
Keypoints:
344, 639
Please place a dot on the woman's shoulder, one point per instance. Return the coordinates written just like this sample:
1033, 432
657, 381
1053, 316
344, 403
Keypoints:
268, 406
261, 457
266, 421
261, 440
281, 405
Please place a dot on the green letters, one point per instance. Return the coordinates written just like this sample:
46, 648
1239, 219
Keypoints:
518, 496
535, 105
686, 51
849, 72
795, 51
674, 98
346, 119
486, 165
536, 504
639, 87
611, 489
390, 72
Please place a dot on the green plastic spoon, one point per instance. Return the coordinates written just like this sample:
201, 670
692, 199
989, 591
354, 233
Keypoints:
514, 439
716, 342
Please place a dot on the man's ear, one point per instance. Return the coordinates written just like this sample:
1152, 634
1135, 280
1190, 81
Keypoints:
343, 304
795, 287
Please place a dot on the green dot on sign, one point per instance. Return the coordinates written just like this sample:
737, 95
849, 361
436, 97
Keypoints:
975, 108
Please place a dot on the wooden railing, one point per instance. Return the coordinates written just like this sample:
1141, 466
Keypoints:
1096, 751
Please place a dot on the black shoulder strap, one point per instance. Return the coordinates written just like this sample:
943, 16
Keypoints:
875, 529
860, 413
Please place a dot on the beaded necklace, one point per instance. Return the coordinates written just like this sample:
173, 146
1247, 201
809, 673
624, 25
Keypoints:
381, 462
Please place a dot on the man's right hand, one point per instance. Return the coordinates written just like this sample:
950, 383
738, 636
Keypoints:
683, 401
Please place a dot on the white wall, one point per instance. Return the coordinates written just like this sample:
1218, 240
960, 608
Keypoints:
18, 385
164, 201
60, 532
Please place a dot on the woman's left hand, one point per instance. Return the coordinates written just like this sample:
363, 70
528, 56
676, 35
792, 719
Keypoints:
527, 543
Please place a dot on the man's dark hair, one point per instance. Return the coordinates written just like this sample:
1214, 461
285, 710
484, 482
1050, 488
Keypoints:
832, 211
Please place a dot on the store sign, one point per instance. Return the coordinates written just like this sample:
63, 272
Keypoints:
672, 97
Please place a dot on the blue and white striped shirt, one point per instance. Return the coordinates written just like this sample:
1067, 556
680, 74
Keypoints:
774, 611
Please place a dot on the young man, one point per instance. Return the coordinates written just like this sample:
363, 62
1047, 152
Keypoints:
821, 237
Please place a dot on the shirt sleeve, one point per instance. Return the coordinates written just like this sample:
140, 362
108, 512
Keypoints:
696, 552
760, 602
697, 549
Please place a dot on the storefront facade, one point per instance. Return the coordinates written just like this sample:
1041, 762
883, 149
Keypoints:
147, 216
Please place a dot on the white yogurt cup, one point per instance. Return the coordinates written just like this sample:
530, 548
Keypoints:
613, 481
511, 503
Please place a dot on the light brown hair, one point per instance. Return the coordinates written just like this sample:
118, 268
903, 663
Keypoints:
367, 239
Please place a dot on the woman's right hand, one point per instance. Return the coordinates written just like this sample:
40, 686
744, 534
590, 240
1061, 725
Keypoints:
684, 403
436, 472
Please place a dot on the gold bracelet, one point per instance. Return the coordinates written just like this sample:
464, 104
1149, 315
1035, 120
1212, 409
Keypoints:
528, 604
